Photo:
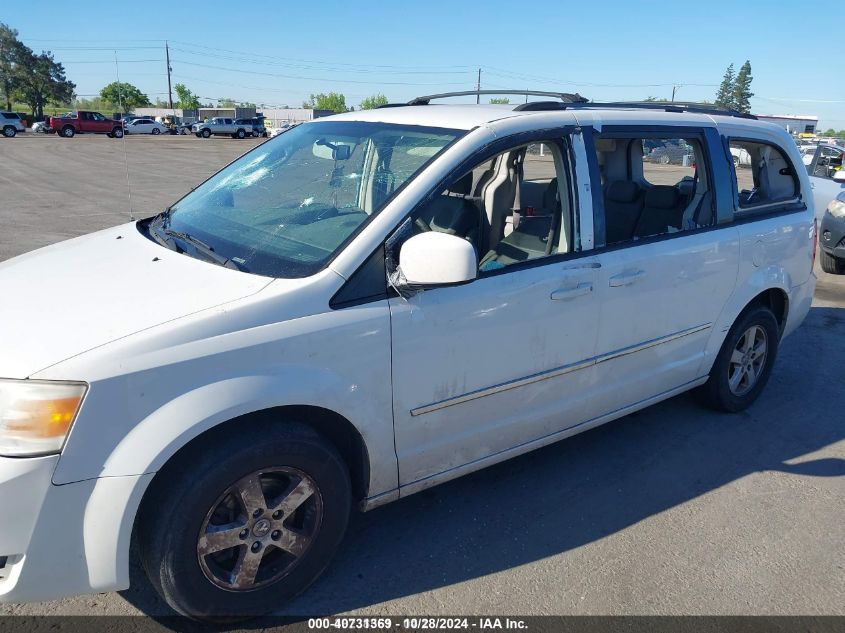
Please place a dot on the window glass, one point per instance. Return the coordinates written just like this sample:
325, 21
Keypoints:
763, 174
829, 161
652, 185
667, 161
285, 208
513, 207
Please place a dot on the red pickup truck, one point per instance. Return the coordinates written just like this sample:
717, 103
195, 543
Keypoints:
85, 122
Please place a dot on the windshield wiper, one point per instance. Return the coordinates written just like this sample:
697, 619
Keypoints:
201, 247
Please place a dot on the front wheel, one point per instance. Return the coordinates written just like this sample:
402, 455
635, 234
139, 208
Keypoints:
241, 134
744, 363
206, 133
250, 524
156, 131
9, 131
117, 132
830, 264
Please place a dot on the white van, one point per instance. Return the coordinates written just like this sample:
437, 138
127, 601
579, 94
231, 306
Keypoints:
369, 305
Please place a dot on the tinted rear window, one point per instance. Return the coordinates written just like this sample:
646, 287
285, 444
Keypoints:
10, 115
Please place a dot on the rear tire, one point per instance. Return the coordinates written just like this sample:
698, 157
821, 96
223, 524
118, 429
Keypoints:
258, 557
831, 264
10, 131
241, 134
68, 131
744, 362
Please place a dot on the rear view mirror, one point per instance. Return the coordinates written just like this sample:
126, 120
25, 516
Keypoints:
329, 150
839, 175
436, 259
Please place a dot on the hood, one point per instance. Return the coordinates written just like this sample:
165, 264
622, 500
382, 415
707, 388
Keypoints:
71, 297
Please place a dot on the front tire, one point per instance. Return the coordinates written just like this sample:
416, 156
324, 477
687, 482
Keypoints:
156, 131
830, 264
241, 134
10, 131
206, 133
744, 362
250, 524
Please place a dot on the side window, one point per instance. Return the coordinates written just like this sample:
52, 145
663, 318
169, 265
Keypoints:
764, 176
652, 184
828, 163
513, 207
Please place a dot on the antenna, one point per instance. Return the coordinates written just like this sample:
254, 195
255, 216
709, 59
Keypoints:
125, 159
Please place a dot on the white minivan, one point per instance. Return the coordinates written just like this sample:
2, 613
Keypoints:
369, 305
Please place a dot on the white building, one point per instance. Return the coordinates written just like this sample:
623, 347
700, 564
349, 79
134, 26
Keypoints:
792, 123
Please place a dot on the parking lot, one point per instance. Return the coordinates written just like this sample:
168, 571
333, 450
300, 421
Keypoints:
673, 510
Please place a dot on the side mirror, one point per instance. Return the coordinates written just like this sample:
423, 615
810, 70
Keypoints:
839, 175
436, 259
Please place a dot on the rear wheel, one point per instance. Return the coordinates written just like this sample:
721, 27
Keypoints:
251, 523
117, 132
744, 363
68, 131
241, 134
9, 131
831, 264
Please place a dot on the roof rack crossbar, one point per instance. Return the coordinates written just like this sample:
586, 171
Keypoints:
672, 106
565, 97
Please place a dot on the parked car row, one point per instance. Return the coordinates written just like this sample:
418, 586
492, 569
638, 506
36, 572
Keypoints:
224, 126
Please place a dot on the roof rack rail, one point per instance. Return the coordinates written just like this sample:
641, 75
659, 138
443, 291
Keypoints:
673, 106
565, 97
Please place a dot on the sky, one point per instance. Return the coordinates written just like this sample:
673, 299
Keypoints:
606, 50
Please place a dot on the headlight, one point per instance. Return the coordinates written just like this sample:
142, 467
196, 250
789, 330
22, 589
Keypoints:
837, 208
36, 416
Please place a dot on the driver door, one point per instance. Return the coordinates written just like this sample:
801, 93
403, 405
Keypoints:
486, 369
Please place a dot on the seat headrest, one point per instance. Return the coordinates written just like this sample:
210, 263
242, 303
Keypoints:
463, 186
661, 197
451, 215
623, 191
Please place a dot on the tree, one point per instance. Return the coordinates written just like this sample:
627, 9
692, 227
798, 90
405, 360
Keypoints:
13, 57
333, 101
742, 89
124, 94
651, 99
373, 102
500, 100
725, 95
43, 83
186, 100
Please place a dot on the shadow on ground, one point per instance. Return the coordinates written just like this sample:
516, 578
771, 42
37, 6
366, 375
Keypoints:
584, 488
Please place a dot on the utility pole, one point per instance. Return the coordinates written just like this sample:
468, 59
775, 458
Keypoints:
169, 70
478, 88
674, 88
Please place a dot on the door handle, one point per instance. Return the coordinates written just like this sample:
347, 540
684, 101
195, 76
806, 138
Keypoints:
570, 293
626, 279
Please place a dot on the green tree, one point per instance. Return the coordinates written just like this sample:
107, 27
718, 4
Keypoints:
742, 88
651, 99
226, 102
13, 57
373, 102
333, 101
186, 99
725, 95
501, 100
43, 83
124, 94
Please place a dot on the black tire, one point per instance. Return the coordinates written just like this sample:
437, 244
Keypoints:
10, 131
184, 501
831, 264
156, 131
206, 133
68, 131
117, 132
240, 134
718, 392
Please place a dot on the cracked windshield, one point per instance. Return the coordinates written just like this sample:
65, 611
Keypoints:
284, 209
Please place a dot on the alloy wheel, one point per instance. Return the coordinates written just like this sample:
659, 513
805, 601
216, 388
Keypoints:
259, 529
748, 360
